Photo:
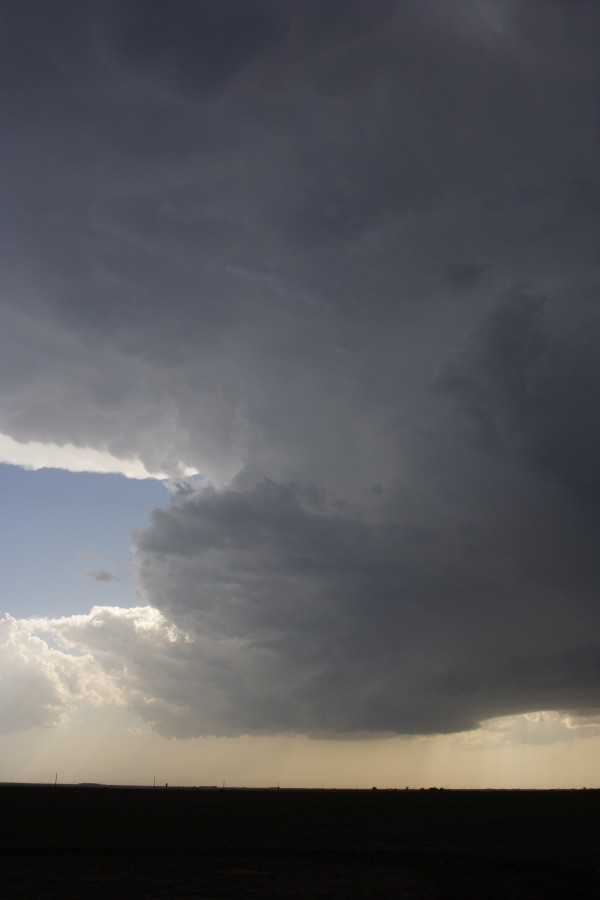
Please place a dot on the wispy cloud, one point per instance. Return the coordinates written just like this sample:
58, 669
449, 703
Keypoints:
102, 575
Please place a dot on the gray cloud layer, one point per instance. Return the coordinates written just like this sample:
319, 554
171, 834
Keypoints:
345, 254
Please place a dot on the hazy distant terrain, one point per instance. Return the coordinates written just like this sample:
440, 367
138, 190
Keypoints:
119, 842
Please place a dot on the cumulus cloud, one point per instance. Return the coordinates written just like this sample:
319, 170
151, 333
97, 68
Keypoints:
39, 684
343, 262
133, 656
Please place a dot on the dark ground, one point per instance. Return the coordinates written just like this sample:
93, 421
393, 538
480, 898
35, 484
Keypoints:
80, 842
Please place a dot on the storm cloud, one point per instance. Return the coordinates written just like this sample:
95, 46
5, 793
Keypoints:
341, 259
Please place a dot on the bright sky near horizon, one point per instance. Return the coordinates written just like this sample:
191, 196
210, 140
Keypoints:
300, 393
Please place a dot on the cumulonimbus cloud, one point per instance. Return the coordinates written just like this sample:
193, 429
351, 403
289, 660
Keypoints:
346, 268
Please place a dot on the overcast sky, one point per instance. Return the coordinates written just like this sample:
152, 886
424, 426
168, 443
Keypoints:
341, 260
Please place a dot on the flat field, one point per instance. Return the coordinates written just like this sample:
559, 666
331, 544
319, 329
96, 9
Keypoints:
84, 842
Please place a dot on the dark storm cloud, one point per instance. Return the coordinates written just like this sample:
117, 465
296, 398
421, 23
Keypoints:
464, 275
534, 390
346, 245
333, 621
192, 49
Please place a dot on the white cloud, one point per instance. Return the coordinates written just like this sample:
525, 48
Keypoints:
40, 685
108, 656
139, 657
38, 455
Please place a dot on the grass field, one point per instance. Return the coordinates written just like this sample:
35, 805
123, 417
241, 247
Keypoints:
84, 842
